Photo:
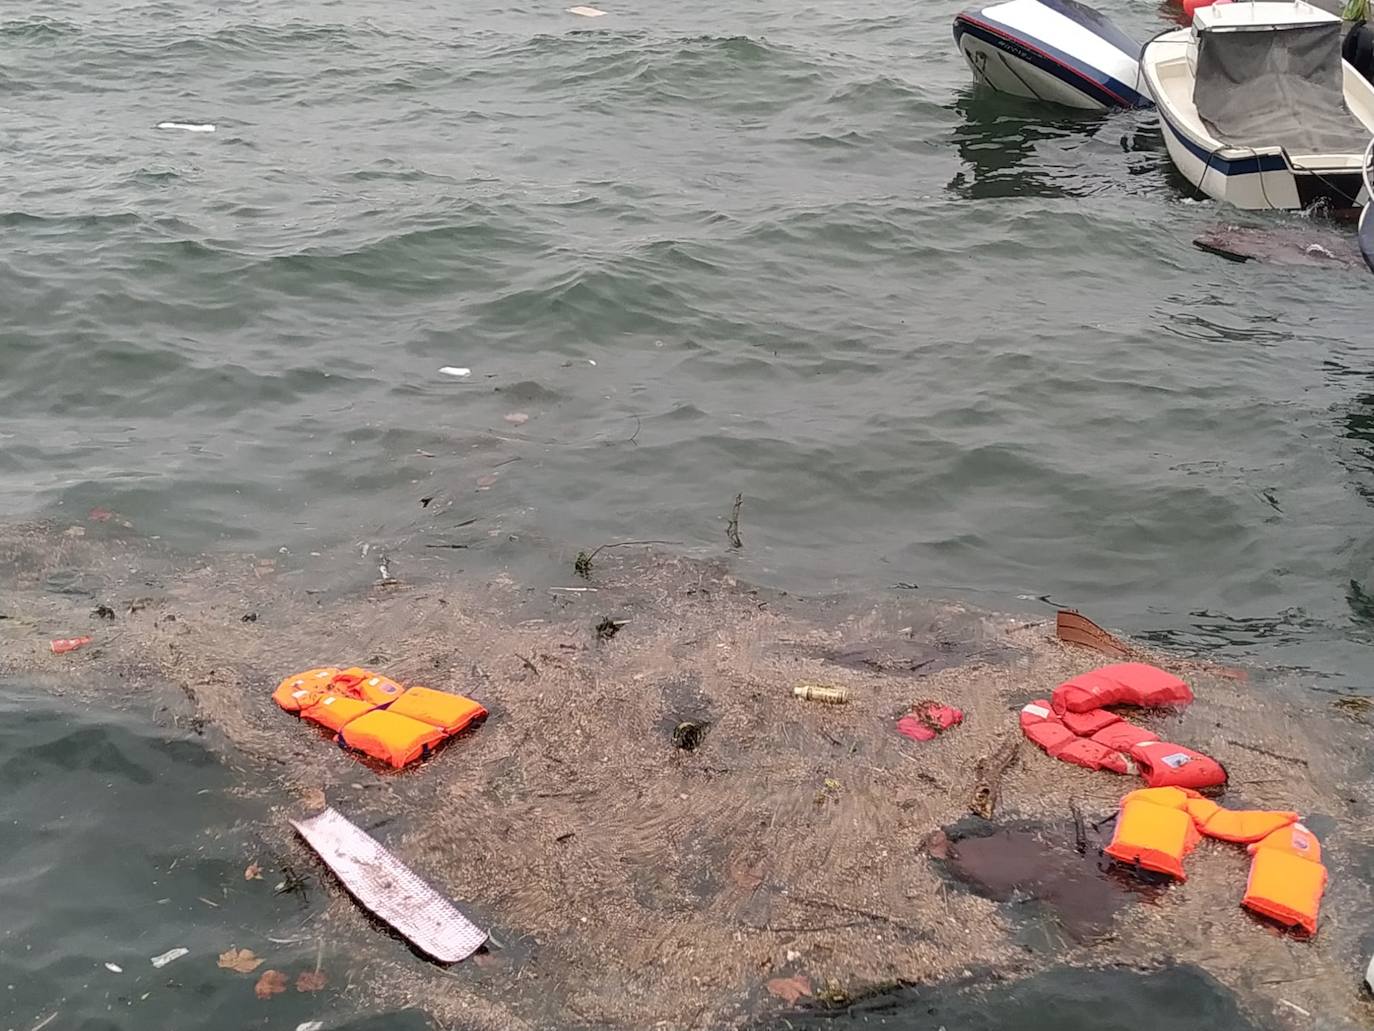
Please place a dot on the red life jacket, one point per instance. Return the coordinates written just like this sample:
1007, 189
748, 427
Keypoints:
1122, 683
1167, 765
1041, 725
1073, 729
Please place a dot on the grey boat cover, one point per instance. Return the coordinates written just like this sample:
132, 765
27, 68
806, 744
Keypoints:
1263, 86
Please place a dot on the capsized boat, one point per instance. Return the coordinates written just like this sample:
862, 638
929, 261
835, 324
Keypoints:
1258, 108
1060, 51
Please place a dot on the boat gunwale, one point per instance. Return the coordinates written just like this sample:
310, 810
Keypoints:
1193, 129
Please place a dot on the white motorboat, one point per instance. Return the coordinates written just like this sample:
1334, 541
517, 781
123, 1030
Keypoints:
1060, 51
1258, 108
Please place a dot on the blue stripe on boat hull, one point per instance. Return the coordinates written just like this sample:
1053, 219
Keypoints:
1240, 166
1091, 82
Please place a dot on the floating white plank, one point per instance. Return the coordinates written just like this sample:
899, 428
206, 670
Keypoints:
390, 889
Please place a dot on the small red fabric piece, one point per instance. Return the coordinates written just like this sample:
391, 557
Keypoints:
1121, 683
917, 724
1086, 724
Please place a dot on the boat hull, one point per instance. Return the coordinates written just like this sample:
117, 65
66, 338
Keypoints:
1057, 51
1258, 180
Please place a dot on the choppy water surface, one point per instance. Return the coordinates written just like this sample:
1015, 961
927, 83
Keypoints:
933, 337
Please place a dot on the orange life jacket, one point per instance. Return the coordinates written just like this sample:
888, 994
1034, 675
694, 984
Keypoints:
449, 712
367, 686
336, 711
303, 690
1287, 878
391, 737
373, 714
1157, 827
1239, 825
1154, 831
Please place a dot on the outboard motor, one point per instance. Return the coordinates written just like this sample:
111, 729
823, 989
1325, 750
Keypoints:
1059, 51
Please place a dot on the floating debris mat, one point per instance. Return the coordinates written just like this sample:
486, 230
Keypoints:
391, 890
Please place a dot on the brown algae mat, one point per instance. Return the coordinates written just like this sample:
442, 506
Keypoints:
635, 874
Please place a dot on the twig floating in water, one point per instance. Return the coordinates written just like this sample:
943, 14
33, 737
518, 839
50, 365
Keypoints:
988, 771
1080, 833
839, 907
1265, 751
732, 529
583, 566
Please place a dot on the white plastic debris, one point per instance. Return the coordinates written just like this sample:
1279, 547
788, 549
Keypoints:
187, 126
114, 968
586, 12
390, 889
169, 956
311, 1025
1369, 974
456, 371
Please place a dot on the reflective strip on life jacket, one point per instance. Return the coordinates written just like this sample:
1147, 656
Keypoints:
448, 712
390, 737
304, 689
1122, 683
1164, 764
1154, 837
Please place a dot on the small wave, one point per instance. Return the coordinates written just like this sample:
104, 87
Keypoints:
649, 290
244, 40
37, 30
112, 220
733, 73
